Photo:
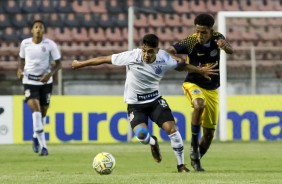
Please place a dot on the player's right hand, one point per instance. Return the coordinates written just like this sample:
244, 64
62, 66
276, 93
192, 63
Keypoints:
209, 70
75, 64
20, 73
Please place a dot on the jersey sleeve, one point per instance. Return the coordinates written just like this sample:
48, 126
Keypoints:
180, 47
55, 52
122, 59
22, 51
186, 45
171, 63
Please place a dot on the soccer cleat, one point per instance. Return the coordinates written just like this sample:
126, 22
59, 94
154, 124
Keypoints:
44, 152
155, 149
196, 164
182, 168
35, 145
195, 160
194, 155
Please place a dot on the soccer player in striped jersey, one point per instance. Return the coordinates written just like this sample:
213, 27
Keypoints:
145, 69
202, 49
36, 71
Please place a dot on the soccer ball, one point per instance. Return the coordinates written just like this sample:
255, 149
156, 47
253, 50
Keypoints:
104, 163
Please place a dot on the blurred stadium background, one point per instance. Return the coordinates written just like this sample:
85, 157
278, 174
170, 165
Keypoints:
89, 28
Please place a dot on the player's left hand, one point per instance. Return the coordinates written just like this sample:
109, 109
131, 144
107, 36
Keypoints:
45, 77
20, 73
222, 44
209, 70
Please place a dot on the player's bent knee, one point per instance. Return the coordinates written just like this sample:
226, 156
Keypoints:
142, 135
169, 127
141, 132
208, 135
173, 130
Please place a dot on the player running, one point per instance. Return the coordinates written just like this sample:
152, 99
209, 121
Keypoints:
35, 70
145, 69
203, 49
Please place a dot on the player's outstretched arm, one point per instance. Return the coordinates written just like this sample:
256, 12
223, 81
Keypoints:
206, 71
92, 62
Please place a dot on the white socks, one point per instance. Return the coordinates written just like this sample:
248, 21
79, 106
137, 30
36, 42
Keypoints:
152, 141
177, 146
44, 122
41, 139
38, 128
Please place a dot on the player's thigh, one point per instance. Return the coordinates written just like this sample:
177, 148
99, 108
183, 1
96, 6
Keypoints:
34, 105
136, 115
32, 96
192, 92
31, 92
210, 114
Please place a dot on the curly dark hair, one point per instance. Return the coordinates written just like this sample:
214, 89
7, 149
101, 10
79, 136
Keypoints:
204, 20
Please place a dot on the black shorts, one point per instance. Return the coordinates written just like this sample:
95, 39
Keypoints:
40, 92
158, 111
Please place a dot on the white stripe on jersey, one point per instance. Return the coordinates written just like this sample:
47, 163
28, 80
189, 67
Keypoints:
38, 58
142, 79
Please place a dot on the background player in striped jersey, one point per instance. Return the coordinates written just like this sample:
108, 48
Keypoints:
202, 49
145, 69
36, 71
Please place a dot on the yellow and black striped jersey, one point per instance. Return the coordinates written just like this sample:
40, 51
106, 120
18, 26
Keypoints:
201, 55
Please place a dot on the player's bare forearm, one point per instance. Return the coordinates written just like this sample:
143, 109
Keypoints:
21, 64
171, 50
228, 49
55, 69
191, 68
92, 62
224, 45
204, 71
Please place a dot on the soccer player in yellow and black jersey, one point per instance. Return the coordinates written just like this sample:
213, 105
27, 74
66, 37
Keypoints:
202, 49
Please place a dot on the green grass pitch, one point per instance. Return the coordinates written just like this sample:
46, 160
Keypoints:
228, 162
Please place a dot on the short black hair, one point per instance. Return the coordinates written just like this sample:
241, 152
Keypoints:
38, 21
151, 40
204, 20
